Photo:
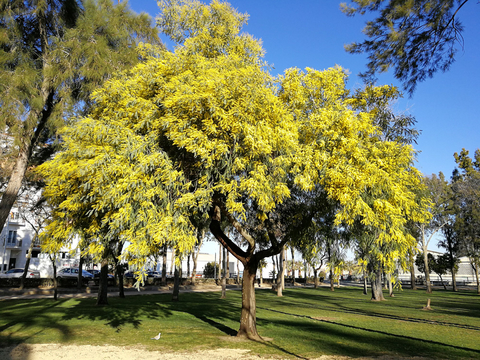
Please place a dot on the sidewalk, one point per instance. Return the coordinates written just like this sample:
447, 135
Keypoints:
92, 291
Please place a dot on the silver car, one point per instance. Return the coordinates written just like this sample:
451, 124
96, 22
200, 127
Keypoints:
72, 273
18, 272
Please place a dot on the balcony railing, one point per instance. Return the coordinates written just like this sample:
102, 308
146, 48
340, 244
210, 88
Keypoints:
14, 244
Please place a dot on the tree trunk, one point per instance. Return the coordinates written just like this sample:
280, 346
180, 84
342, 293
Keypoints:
220, 261
293, 265
377, 291
164, 265
427, 270
454, 280
224, 278
449, 238
365, 284
478, 280
176, 284
195, 257
121, 287
443, 284
332, 280
103, 288
188, 266
55, 283
172, 263
80, 272
227, 262
238, 272
412, 275
248, 318
280, 275
27, 264
274, 268
119, 270
315, 275
14, 185
28, 143
390, 285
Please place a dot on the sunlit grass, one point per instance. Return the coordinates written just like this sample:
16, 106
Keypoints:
303, 323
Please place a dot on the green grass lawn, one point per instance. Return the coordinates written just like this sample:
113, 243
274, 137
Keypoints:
303, 323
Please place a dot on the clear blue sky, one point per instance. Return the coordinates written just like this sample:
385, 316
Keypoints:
312, 33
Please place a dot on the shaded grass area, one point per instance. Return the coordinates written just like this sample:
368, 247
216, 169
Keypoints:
304, 323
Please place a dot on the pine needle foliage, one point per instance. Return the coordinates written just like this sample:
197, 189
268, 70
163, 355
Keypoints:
416, 38
53, 53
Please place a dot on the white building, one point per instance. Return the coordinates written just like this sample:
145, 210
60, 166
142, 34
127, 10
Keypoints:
15, 240
465, 273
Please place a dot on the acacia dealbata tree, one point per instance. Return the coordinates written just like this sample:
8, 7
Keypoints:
207, 130
53, 53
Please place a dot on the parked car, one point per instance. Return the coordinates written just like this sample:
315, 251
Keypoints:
72, 273
96, 276
18, 272
154, 274
129, 274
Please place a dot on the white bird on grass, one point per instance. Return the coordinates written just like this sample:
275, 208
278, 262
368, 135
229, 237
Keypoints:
157, 337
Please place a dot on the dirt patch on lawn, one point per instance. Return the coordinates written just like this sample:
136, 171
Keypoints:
108, 352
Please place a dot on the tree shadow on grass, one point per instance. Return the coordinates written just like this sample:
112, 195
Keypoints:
445, 306
222, 327
330, 337
25, 315
133, 310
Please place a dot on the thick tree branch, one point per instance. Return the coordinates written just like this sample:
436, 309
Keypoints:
230, 245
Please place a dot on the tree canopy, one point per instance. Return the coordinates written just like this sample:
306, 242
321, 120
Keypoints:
206, 130
53, 53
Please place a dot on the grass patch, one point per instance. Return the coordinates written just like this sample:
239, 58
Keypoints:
303, 323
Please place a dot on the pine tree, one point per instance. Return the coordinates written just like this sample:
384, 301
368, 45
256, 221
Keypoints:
416, 38
53, 53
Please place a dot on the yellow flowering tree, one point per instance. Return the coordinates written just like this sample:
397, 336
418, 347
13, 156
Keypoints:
205, 130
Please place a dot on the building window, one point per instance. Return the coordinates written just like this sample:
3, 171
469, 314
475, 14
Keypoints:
15, 216
12, 237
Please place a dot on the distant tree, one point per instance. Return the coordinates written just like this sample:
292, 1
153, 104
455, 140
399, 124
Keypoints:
281, 273
451, 243
441, 266
210, 269
420, 263
372, 255
36, 212
261, 265
416, 38
466, 188
437, 192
